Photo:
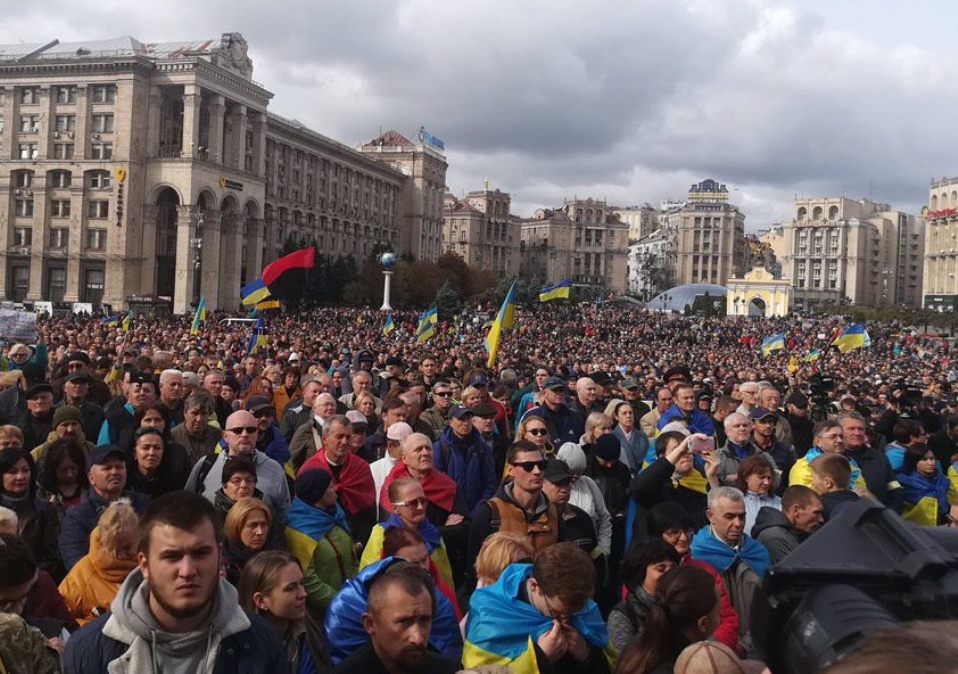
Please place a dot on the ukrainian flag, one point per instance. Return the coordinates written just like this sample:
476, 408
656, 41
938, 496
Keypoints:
853, 337
502, 629
505, 320
111, 321
813, 355
268, 304
560, 291
388, 326
427, 325
198, 317
254, 293
773, 343
127, 322
258, 339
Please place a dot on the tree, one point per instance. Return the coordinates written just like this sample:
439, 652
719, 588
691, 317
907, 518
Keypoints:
448, 299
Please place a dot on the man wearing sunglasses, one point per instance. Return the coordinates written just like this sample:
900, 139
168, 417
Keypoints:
519, 505
239, 440
269, 439
437, 415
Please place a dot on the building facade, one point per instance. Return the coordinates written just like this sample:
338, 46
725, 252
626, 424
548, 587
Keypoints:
480, 229
853, 251
709, 236
129, 168
642, 220
652, 264
583, 240
940, 225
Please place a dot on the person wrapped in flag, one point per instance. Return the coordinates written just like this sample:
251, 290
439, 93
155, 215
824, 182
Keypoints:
540, 617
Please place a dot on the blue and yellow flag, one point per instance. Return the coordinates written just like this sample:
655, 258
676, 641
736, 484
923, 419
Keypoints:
258, 339
813, 355
505, 320
254, 292
559, 291
111, 321
127, 322
198, 317
388, 326
427, 325
853, 337
268, 304
773, 343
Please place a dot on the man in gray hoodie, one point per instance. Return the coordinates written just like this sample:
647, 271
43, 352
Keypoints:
174, 613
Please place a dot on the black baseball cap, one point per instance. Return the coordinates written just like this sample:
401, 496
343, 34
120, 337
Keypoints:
554, 384
100, 454
557, 470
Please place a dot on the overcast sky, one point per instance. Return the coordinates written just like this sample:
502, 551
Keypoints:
630, 101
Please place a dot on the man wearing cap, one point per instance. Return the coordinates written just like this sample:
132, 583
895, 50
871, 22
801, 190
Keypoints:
381, 468
67, 423
461, 454
561, 422
631, 395
239, 440
484, 422
76, 389
37, 422
357, 441
763, 437
107, 478
119, 426
480, 382
796, 411
437, 415
269, 440
579, 527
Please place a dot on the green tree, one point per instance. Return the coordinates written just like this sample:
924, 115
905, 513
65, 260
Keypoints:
448, 299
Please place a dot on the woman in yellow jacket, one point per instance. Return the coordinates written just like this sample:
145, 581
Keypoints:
89, 588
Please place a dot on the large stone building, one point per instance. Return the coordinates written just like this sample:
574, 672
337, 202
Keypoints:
941, 246
652, 264
583, 241
709, 236
843, 250
480, 229
642, 220
129, 168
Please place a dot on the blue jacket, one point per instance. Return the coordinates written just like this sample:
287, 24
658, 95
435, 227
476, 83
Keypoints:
80, 521
276, 446
469, 462
563, 425
251, 651
700, 421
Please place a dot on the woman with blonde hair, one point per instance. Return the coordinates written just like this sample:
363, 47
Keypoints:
498, 551
90, 587
365, 402
246, 532
533, 429
471, 396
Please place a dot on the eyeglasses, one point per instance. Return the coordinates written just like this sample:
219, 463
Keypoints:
239, 430
415, 503
441, 394
259, 414
529, 466
536, 431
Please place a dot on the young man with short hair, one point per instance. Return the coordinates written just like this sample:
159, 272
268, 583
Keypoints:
781, 531
831, 480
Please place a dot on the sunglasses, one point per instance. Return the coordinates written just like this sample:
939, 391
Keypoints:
239, 430
415, 503
259, 414
442, 394
536, 431
529, 466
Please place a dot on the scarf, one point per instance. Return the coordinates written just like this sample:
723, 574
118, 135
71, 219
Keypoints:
315, 522
438, 487
720, 556
915, 487
355, 486
427, 530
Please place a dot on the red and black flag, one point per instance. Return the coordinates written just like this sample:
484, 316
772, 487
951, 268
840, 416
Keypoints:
287, 276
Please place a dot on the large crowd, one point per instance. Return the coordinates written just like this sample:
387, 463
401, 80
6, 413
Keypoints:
607, 498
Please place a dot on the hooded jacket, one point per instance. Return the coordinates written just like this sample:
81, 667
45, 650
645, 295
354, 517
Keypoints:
773, 530
129, 640
92, 584
81, 520
469, 462
696, 420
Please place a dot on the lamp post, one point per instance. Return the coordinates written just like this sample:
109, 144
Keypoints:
387, 261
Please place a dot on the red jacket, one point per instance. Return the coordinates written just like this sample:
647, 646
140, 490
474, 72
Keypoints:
727, 631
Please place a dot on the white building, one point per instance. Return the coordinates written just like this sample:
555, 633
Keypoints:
652, 264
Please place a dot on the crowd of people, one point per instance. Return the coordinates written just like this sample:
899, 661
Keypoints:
607, 498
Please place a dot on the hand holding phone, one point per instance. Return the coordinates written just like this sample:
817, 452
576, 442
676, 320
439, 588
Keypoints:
700, 443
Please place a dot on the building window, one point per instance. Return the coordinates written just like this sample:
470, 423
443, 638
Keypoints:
24, 179
60, 208
97, 209
22, 236
101, 151
24, 208
96, 239
60, 179
99, 179
19, 282
29, 95
65, 122
104, 93
28, 151
63, 150
56, 283
66, 94
93, 281
103, 123
29, 123
59, 236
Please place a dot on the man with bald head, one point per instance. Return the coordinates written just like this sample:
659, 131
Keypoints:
239, 441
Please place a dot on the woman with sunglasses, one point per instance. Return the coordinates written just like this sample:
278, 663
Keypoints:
533, 429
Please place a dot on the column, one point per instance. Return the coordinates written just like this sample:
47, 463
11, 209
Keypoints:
217, 112
185, 231
11, 122
254, 248
6, 219
149, 249
259, 143
154, 123
75, 243
230, 261
210, 257
81, 137
44, 137
240, 123
39, 234
192, 100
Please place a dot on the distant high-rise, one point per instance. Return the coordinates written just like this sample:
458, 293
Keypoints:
480, 229
709, 236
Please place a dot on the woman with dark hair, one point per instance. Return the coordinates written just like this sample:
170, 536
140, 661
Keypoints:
756, 479
641, 571
686, 610
271, 585
62, 481
924, 487
155, 467
37, 522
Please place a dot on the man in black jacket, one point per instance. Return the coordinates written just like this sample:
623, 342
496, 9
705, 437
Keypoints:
781, 531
